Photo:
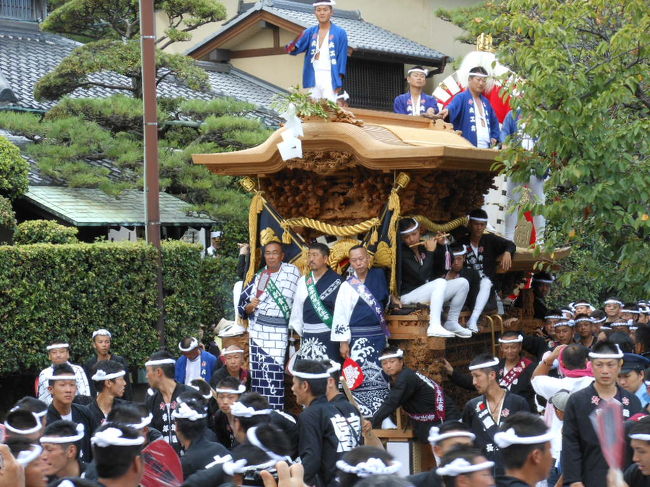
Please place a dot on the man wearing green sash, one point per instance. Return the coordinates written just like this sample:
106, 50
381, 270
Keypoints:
313, 306
266, 302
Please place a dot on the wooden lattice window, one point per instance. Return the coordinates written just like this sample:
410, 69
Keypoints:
30, 10
373, 84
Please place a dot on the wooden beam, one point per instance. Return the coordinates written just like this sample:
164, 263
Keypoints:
262, 51
276, 36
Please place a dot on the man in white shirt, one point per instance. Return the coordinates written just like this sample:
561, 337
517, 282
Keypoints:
59, 353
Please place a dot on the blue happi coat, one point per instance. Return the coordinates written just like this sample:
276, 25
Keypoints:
338, 51
404, 105
462, 116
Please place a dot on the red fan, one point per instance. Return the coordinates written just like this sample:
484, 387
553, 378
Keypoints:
352, 373
608, 424
162, 467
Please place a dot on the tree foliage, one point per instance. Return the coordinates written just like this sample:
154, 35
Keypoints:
13, 170
112, 29
583, 76
45, 231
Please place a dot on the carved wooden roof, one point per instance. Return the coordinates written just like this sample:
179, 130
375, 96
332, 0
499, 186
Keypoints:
385, 142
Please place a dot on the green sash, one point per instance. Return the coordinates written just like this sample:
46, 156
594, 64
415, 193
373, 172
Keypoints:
278, 298
316, 302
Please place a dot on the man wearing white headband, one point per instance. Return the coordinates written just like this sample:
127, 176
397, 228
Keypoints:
416, 102
471, 112
61, 449
638, 474
162, 399
228, 390
101, 342
109, 379
421, 398
525, 444
630, 312
326, 54
582, 460
59, 353
215, 244
324, 434
194, 362
612, 308
465, 467
233, 359
267, 302
117, 450
541, 286
484, 413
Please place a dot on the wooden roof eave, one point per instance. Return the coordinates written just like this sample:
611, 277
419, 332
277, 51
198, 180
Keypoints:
371, 153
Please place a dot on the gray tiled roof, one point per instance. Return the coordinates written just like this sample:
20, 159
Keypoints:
26, 56
362, 35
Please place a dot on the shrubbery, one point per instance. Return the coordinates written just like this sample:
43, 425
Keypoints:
45, 231
13, 170
64, 292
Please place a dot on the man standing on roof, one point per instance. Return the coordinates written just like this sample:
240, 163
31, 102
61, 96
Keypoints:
326, 54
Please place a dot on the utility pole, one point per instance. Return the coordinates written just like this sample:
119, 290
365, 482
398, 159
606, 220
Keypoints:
151, 168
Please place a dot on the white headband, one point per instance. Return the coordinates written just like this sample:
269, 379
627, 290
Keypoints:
579, 320
622, 323
477, 219
504, 439
372, 466
193, 344
582, 303
632, 311
66, 376
478, 75
493, 363
570, 323
101, 375
553, 317
65, 439
544, 281
608, 355
593, 320
102, 332
398, 354
230, 352
640, 436
216, 234
613, 301
218, 460
241, 466
113, 437
57, 345
413, 228
418, 70
322, 375
162, 361
240, 390
39, 414
517, 339
198, 389
142, 424
435, 437
241, 411
460, 252
251, 435
324, 3
461, 466
184, 411
29, 431
25, 457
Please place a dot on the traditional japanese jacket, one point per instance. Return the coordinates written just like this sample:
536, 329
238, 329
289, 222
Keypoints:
286, 280
517, 379
200, 453
582, 458
324, 436
476, 415
162, 415
303, 310
338, 52
635, 478
507, 481
350, 310
404, 104
416, 272
421, 398
97, 416
83, 388
208, 366
490, 247
463, 117
425, 479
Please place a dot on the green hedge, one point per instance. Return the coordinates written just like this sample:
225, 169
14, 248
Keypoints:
64, 292
45, 231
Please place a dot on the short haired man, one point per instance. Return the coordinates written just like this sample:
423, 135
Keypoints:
266, 302
102, 340
637, 474
360, 326
59, 353
324, 435
415, 101
471, 112
424, 279
313, 306
109, 382
326, 53
24, 424
63, 389
541, 286
215, 244
484, 413
632, 375
612, 308
584, 330
164, 391
194, 362
117, 450
228, 392
450, 435
465, 467
233, 359
564, 332
583, 464
630, 312
191, 425
515, 370
421, 398
525, 444
61, 449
